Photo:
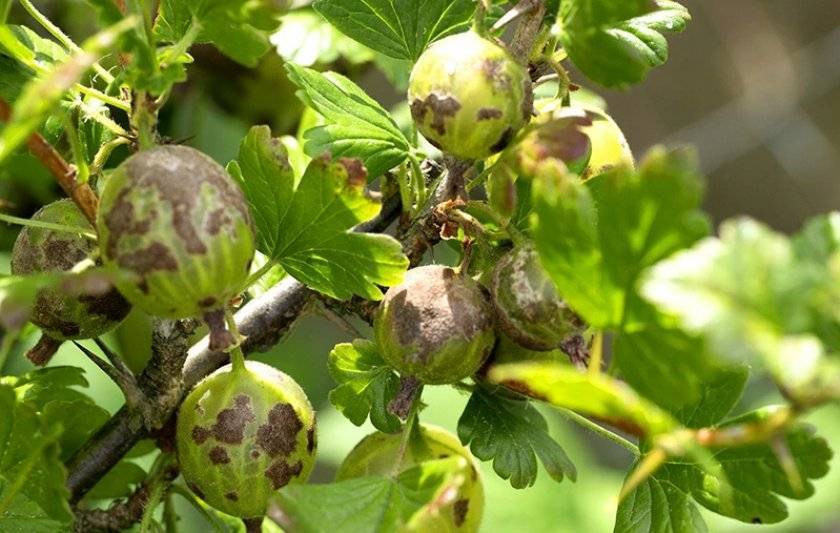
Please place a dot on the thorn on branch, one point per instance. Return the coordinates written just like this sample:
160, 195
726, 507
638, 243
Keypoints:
120, 374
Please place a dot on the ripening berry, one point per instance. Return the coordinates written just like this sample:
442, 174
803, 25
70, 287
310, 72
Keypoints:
176, 219
436, 326
469, 96
377, 454
244, 434
60, 315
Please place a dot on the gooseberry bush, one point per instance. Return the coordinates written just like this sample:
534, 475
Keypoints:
494, 234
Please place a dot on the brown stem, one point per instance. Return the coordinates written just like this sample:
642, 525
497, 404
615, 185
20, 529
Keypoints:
65, 175
121, 515
527, 30
401, 404
44, 350
220, 338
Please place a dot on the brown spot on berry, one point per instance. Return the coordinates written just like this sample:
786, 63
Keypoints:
217, 220
230, 423
219, 456
440, 107
503, 141
210, 301
255, 454
460, 510
280, 473
310, 440
111, 305
156, 256
279, 434
489, 113
494, 70
434, 305
200, 434
232, 496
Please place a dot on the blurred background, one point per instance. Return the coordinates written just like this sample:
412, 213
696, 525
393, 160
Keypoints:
753, 84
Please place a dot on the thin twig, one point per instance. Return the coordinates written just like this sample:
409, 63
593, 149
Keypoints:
65, 175
121, 515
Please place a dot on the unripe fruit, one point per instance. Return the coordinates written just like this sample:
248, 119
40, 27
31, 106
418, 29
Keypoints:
469, 96
60, 315
377, 453
436, 326
528, 307
609, 146
176, 219
244, 434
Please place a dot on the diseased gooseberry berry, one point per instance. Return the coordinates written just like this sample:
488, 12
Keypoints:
377, 453
436, 326
63, 316
176, 219
242, 435
469, 96
528, 307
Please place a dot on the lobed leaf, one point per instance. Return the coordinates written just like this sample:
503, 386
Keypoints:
366, 385
357, 126
375, 504
614, 226
512, 433
306, 226
239, 29
41, 95
32, 491
597, 396
401, 29
616, 43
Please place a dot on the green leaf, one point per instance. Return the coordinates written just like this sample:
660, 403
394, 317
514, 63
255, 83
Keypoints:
664, 365
512, 433
306, 227
53, 393
357, 126
366, 385
749, 295
749, 478
374, 504
754, 478
721, 394
659, 505
119, 482
239, 28
31, 474
397, 28
598, 396
616, 43
42, 95
306, 39
614, 226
